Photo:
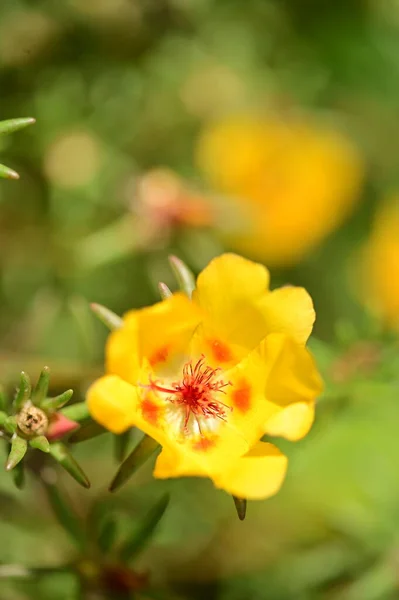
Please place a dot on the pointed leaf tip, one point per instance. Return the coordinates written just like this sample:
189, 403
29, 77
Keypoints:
23, 393
184, 276
8, 173
62, 455
11, 125
18, 450
53, 404
164, 291
109, 318
241, 507
39, 394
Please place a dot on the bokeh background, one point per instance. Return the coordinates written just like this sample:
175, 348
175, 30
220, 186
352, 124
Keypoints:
266, 127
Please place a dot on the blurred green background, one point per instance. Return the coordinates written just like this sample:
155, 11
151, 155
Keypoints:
120, 88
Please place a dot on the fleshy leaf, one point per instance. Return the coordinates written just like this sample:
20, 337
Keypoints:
18, 450
145, 448
10, 424
144, 530
7, 173
18, 475
87, 432
164, 291
121, 444
109, 318
62, 455
76, 412
184, 276
53, 404
3, 418
11, 125
241, 507
40, 443
39, 394
23, 392
3, 399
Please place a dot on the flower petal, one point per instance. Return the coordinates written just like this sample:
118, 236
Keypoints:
239, 310
293, 384
257, 475
228, 291
273, 390
289, 310
158, 333
112, 402
293, 422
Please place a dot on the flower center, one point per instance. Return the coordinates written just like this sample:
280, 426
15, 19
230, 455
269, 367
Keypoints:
197, 393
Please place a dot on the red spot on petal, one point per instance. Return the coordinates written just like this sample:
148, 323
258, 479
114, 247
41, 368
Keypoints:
241, 396
221, 351
150, 411
159, 356
203, 444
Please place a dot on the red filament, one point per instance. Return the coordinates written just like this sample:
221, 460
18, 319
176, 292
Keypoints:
196, 392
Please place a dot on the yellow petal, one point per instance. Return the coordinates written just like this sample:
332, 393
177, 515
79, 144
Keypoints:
293, 384
112, 402
122, 353
227, 292
289, 310
175, 463
158, 334
293, 422
257, 475
239, 311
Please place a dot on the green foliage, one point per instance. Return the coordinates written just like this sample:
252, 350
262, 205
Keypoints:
117, 88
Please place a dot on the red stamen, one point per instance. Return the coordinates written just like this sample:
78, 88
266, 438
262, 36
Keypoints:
196, 393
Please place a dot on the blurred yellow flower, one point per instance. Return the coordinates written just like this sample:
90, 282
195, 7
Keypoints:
291, 182
380, 265
208, 377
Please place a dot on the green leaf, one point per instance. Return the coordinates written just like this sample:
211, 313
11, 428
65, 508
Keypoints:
121, 444
18, 450
76, 412
109, 318
40, 443
164, 291
145, 529
3, 399
241, 507
87, 432
10, 424
7, 173
11, 125
23, 392
3, 418
107, 535
39, 394
64, 513
184, 276
145, 448
53, 404
18, 475
62, 455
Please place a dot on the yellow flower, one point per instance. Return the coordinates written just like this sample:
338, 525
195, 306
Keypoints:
291, 182
208, 377
380, 265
